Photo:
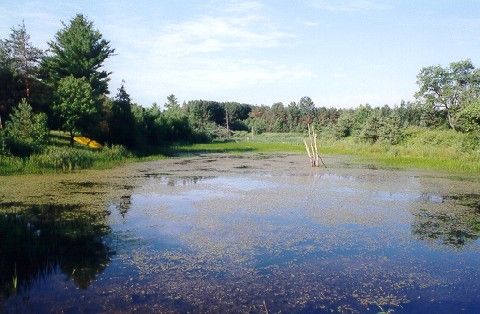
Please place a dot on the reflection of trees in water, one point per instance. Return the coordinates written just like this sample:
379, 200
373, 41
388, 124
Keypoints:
125, 202
455, 228
124, 205
40, 240
176, 181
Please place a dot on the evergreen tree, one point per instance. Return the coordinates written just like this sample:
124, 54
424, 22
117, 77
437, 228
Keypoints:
307, 109
122, 122
79, 50
22, 56
172, 102
26, 132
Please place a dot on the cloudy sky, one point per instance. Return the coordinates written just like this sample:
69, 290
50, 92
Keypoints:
339, 52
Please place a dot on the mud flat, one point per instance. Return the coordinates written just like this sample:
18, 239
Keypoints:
240, 233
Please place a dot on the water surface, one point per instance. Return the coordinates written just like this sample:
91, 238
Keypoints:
240, 233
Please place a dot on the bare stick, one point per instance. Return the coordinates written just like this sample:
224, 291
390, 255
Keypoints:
308, 150
265, 307
311, 146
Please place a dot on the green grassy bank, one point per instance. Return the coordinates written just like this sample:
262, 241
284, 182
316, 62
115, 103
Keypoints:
444, 150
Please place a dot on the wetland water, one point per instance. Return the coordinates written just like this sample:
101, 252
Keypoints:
232, 233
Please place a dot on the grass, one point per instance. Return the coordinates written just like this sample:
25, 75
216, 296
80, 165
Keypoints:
59, 156
444, 150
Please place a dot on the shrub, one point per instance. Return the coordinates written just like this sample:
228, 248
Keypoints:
371, 130
115, 152
391, 130
468, 119
344, 126
26, 132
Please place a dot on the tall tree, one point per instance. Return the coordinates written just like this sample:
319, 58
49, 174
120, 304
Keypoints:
22, 56
122, 121
172, 102
6, 79
75, 105
307, 109
446, 88
79, 50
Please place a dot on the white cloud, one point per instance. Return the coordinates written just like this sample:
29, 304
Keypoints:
311, 23
348, 5
218, 51
216, 33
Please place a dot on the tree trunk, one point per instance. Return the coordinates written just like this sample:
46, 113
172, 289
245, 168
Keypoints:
226, 118
451, 120
71, 138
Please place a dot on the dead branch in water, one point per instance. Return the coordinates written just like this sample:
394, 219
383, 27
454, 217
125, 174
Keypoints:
312, 148
265, 307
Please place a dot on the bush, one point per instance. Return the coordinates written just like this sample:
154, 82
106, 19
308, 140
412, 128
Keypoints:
391, 130
344, 126
371, 130
114, 153
26, 132
468, 119
453, 140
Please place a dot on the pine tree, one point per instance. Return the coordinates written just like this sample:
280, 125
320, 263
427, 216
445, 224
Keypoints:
79, 50
22, 56
26, 132
122, 121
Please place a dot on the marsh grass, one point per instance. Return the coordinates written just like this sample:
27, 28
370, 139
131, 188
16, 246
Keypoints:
59, 156
444, 150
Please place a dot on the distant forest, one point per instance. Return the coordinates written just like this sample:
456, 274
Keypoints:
66, 88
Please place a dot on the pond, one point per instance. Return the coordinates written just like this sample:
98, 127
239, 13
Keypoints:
243, 233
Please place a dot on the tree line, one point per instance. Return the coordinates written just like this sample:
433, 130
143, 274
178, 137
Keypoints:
66, 88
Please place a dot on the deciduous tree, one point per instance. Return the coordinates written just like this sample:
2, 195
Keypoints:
75, 105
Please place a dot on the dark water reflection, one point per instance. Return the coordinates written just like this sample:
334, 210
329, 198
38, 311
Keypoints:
37, 241
321, 243
453, 229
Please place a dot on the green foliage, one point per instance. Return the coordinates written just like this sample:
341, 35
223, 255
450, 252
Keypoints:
468, 117
344, 125
68, 158
122, 121
371, 130
79, 50
3, 143
74, 106
26, 132
114, 153
392, 130
447, 139
22, 56
64, 158
172, 103
446, 88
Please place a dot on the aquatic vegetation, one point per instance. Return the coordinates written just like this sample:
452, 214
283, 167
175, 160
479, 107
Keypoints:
244, 233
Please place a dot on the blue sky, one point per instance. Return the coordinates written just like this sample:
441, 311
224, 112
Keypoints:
340, 53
